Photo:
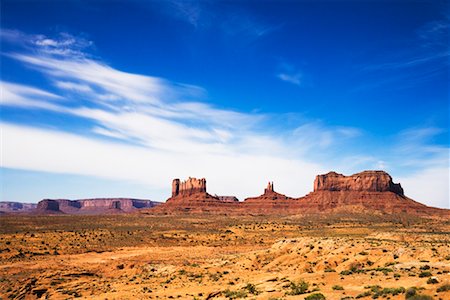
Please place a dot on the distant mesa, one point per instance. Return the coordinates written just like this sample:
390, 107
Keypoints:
367, 181
7, 207
93, 206
368, 191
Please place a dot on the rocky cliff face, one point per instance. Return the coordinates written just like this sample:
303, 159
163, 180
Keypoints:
48, 205
367, 181
93, 206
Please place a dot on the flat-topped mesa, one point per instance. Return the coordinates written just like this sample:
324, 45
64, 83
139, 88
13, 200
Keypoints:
367, 181
188, 187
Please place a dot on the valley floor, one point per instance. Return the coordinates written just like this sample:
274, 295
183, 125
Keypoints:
143, 256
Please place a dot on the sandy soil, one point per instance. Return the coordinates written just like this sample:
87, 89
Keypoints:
221, 257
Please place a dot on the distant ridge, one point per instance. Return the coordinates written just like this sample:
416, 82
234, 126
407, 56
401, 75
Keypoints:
9, 206
93, 206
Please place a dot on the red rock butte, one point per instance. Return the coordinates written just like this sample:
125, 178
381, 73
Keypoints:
366, 192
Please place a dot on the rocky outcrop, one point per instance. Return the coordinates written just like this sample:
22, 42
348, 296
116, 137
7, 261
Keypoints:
191, 195
367, 181
8, 207
93, 206
188, 187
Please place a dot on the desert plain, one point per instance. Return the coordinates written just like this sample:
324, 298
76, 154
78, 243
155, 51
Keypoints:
219, 256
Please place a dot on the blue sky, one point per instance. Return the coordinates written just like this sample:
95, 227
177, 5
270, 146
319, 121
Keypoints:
116, 98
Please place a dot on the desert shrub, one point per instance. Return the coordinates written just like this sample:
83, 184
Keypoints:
363, 253
384, 270
443, 288
298, 288
215, 276
365, 294
426, 267
338, 287
328, 270
235, 294
432, 280
378, 292
410, 292
251, 288
346, 272
355, 267
315, 296
425, 274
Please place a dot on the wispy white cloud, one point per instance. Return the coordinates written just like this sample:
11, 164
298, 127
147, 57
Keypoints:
73, 86
288, 73
292, 78
12, 94
64, 44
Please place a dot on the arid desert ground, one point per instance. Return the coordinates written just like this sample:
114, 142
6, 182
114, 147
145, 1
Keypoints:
205, 256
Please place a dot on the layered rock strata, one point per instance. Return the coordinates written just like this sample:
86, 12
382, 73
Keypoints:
268, 202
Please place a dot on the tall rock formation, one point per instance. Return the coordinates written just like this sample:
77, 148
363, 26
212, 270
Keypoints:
188, 187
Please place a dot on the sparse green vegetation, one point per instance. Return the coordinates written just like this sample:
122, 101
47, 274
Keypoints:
443, 288
298, 288
425, 274
315, 296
